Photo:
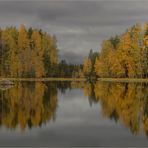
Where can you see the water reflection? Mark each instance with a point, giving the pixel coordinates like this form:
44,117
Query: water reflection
124,102
31,104
28,105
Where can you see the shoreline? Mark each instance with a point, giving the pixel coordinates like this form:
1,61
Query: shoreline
42,79
136,80
77,79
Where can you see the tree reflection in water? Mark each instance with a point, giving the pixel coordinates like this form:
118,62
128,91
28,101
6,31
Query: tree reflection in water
126,103
30,104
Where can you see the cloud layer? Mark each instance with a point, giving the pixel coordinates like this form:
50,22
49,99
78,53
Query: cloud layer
78,25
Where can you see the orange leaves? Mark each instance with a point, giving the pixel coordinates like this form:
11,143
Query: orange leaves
37,54
24,52
123,56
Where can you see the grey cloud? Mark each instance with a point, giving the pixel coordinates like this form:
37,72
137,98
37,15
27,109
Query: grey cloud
72,57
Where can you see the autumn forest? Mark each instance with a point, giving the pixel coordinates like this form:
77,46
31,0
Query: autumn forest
33,53
122,56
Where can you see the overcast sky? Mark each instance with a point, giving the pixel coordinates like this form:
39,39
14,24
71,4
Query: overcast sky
78,25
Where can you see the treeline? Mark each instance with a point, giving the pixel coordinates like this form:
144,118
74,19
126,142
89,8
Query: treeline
122,56
31,53
66,70
34,53
26,53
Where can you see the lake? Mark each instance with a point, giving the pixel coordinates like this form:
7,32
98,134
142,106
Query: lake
74,114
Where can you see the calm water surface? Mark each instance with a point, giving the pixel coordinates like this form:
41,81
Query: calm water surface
74,114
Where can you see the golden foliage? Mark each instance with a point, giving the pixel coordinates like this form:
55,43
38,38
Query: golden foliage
124,55
27,53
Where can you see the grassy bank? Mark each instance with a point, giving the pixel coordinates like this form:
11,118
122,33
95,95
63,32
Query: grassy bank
123,80
43,79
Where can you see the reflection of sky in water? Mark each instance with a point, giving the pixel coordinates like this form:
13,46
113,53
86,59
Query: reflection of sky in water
77,124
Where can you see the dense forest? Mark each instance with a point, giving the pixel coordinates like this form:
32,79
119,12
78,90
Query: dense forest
32,53
121,56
